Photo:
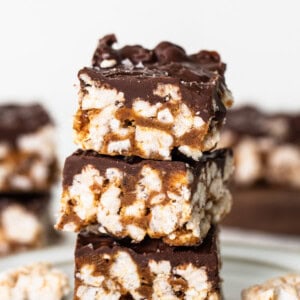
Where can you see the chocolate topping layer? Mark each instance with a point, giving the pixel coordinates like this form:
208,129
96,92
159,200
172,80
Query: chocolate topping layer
17,119
136,71
249,120
163,53
132,165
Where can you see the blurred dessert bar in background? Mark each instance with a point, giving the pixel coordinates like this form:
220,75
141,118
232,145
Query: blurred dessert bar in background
24,221
34,282
266,146
137,101
116,269
266,185
282,288
28,170
131,197
27,149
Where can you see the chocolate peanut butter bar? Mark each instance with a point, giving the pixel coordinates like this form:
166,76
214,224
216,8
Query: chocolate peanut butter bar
267,149
110,269
266,181
24,222
142,102
27,149
281,288
131,197
33,282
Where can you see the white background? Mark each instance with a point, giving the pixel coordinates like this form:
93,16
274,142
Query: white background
44,43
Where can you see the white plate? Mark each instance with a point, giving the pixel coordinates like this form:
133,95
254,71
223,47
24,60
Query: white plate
243,265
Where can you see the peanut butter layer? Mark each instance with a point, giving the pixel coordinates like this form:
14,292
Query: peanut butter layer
130,197
135,101
26,172
148,270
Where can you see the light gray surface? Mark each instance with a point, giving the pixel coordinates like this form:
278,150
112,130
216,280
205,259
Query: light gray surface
243,264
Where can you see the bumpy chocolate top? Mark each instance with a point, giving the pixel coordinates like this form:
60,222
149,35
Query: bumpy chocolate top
133,165
249,120
164,53
17,119
136,71
89,245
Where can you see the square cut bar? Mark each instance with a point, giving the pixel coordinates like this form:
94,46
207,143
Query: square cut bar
141,102
109,269
130,197
24,222
27,150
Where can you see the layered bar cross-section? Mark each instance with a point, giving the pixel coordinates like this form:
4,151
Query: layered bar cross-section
110,269
130,197
136,101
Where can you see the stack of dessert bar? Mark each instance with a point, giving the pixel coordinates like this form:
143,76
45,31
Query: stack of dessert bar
28,168
144,191
267,172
